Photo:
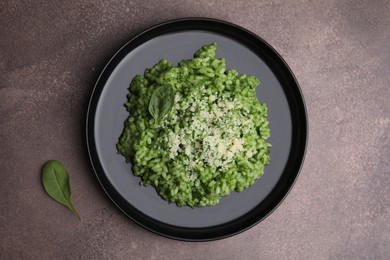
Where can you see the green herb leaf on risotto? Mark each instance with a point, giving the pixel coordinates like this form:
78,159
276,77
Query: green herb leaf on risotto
161,102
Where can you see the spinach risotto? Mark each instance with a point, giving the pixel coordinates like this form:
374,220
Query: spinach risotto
196,131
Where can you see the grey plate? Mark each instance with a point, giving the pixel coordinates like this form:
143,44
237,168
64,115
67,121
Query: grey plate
244,52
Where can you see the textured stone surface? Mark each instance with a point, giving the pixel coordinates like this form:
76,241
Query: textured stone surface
51,53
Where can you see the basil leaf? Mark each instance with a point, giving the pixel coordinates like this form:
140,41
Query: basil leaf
55,180
161,102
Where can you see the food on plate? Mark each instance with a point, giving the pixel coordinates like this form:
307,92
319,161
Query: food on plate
195,131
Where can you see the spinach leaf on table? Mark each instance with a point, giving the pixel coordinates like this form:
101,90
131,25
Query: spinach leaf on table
55,179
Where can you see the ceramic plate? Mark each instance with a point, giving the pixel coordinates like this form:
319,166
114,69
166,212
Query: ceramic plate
243,51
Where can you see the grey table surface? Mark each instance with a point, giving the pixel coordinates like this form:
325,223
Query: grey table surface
51,53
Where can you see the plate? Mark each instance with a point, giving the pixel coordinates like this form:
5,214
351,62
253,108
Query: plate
243,51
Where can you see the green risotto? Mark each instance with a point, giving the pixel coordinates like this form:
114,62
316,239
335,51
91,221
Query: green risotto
196,131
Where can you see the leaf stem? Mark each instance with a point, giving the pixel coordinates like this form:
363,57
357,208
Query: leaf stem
74,212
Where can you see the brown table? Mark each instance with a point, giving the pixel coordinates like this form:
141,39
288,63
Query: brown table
51,53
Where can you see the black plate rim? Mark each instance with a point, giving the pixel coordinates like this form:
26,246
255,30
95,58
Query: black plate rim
284,185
